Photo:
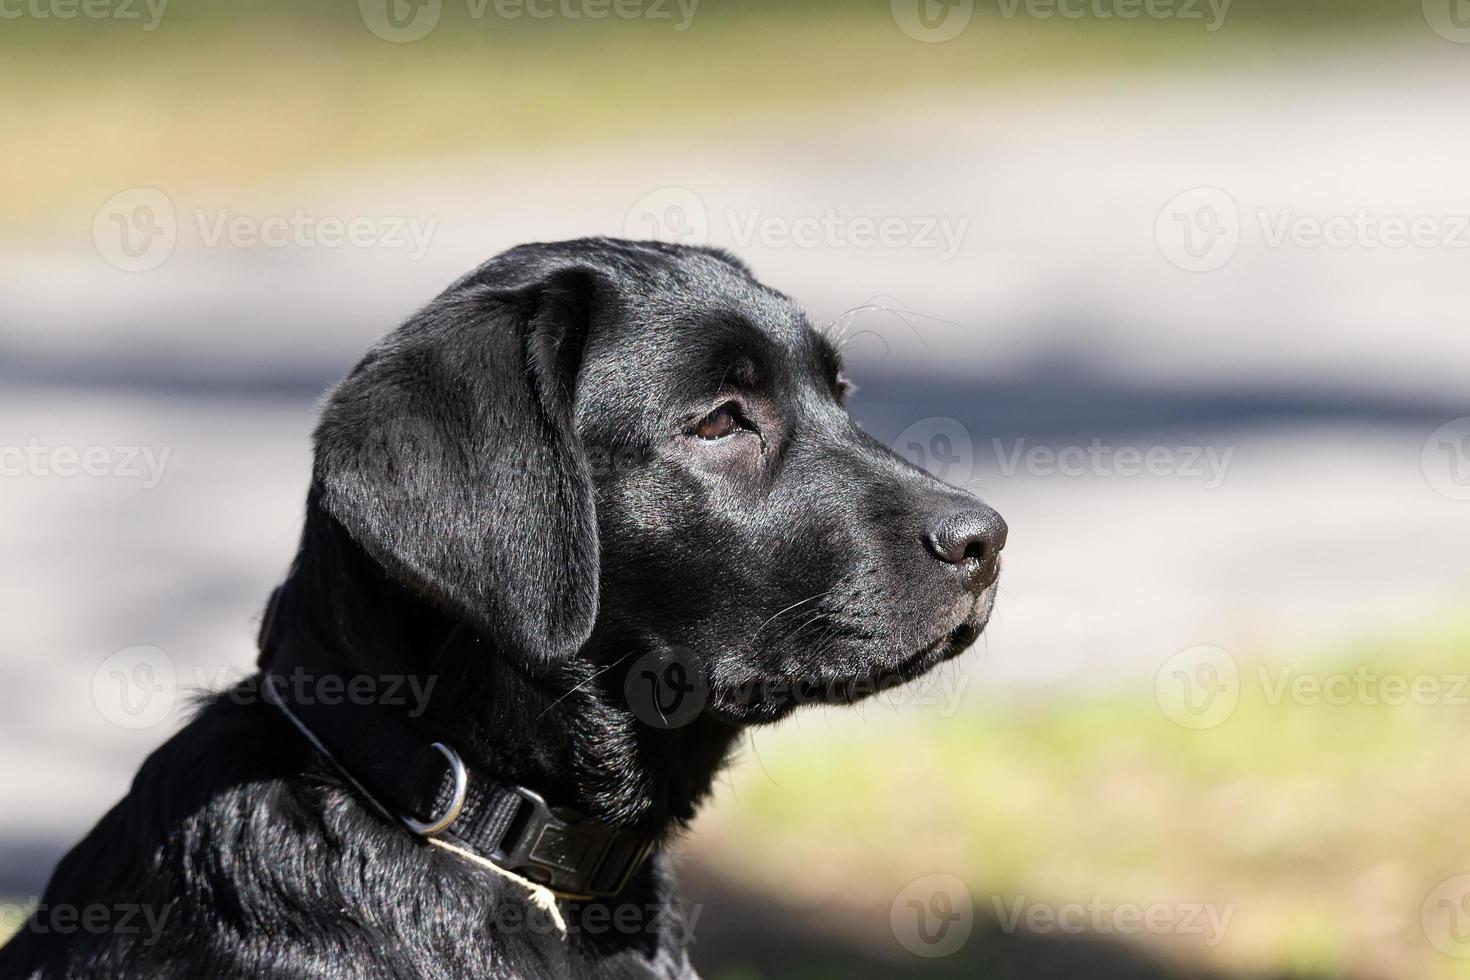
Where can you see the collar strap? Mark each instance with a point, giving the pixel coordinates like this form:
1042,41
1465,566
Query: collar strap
427,787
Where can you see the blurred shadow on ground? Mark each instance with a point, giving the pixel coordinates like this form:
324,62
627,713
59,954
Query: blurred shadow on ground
740,933
1054,399
745,934
26,865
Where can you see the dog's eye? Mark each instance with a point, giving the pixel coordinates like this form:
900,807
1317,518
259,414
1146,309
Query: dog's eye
723,421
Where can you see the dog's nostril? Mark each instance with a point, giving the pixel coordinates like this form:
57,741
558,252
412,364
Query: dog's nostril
971,537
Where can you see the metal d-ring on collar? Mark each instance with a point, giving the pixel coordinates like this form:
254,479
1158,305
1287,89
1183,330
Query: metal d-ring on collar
507,825
456,803
420,827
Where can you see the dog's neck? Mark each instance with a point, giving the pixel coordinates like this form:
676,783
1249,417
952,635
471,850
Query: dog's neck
570,735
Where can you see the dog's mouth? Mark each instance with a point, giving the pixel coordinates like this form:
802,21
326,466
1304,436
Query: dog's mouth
951,643
767,702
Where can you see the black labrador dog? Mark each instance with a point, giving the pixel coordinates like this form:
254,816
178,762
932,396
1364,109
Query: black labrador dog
570,527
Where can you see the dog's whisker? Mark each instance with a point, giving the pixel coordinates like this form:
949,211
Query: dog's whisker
583,683
783,612
755,751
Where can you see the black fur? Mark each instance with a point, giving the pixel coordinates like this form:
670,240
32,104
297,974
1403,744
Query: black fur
514,501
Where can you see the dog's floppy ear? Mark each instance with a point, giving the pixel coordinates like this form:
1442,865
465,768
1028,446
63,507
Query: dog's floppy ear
449,455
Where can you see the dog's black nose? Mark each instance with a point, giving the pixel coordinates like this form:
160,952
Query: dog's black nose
970,538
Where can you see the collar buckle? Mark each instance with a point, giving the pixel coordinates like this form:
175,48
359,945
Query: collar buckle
573,857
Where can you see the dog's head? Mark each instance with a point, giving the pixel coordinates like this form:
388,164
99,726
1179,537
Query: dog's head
598,449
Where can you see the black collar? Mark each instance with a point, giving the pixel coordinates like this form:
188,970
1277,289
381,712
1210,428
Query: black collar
427,787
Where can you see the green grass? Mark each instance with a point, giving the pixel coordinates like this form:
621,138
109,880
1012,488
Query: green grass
251,94
1326,826
11,918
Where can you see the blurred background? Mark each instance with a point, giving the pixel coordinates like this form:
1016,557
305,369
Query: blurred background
1180,286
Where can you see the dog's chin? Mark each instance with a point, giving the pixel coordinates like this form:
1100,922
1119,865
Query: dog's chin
841,685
